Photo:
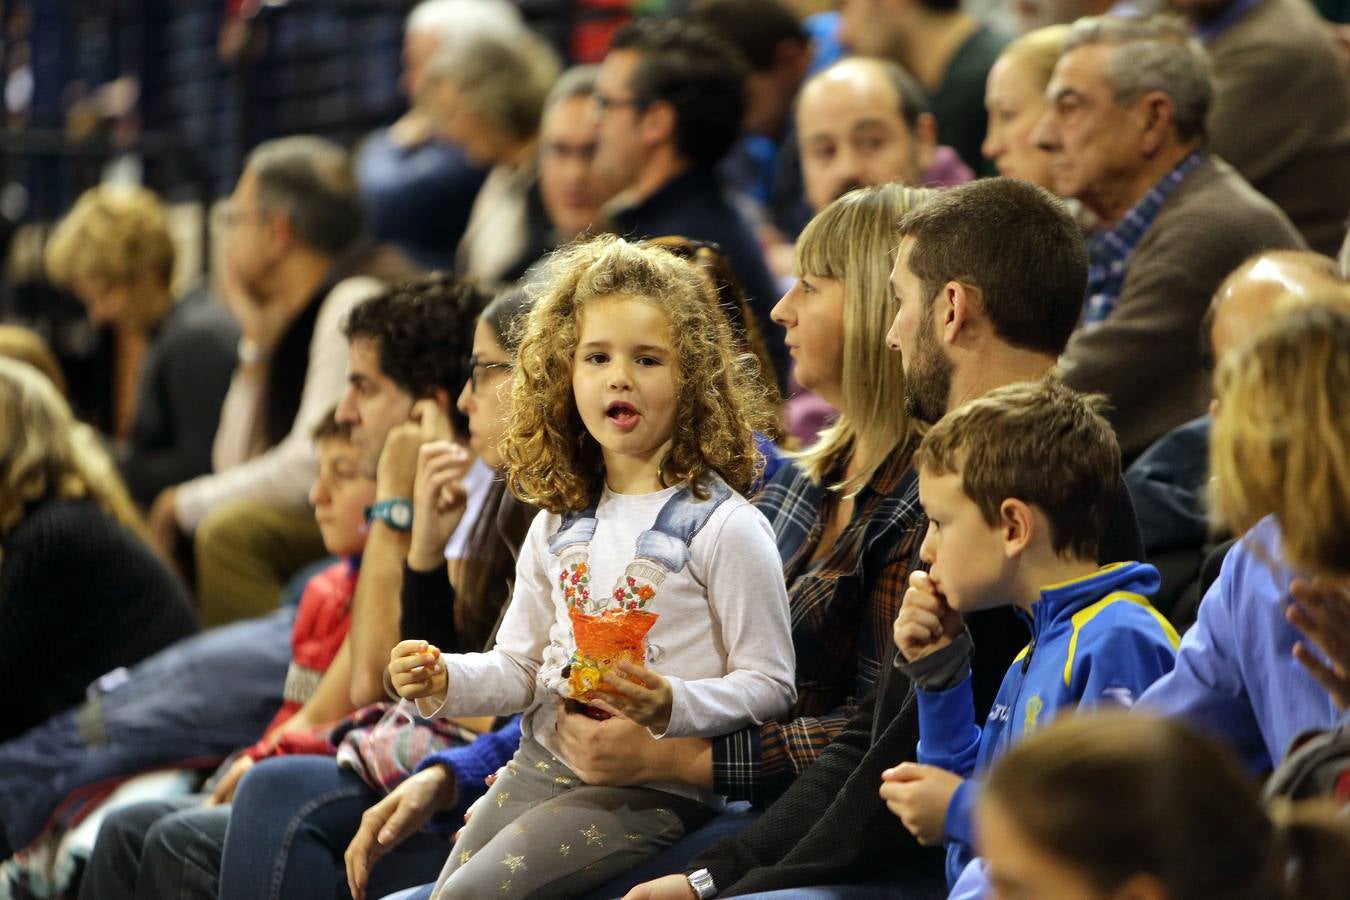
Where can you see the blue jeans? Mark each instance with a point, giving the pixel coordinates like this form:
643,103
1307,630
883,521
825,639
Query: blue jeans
293,819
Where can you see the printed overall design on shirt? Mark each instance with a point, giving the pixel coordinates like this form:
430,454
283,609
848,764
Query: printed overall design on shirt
660,551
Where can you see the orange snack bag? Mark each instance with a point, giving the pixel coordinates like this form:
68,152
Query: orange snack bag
603,641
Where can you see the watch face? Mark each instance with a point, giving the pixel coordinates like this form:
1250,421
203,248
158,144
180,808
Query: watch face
401,515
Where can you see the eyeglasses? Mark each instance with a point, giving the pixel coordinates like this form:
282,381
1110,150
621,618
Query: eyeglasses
476,367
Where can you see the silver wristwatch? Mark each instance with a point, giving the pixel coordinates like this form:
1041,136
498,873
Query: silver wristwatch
701,881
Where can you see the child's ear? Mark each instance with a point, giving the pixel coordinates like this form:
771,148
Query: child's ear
1018,524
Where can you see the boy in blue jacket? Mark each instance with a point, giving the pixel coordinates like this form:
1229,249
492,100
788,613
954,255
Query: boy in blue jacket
1016,486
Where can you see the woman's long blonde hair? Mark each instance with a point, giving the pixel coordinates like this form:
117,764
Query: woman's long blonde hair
552,460
45,454
854,241
1281,439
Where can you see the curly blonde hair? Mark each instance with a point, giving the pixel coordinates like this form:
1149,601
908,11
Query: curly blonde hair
1281,439
552,460
115,235
45,454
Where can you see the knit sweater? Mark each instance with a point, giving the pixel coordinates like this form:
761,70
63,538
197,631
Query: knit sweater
80,595
1145,356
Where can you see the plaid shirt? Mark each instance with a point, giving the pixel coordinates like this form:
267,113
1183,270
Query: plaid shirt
1109,251
843,608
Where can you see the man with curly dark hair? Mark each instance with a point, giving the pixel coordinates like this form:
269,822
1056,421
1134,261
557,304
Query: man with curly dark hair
407,359
409,343
670,100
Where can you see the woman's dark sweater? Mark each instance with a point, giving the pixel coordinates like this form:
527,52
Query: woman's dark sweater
80,595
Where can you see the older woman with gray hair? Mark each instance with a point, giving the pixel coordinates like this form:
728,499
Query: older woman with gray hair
487,95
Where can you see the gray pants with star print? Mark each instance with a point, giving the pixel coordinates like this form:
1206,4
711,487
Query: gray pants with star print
541,832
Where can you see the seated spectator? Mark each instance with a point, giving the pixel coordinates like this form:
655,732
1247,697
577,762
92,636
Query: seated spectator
135,853
1017,250
1278,459
487,95
78,572
172,359
1125,131
1015,99
670,98
1000,531
27,346
1169,481
417,188
667,462
864,122
1281,112
295,816
947,50
294,264
1127,806
570,186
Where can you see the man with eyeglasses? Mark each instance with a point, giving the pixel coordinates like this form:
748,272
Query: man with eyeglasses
670,100
296,259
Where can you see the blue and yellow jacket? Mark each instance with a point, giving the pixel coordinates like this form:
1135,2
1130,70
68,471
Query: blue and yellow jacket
1094,641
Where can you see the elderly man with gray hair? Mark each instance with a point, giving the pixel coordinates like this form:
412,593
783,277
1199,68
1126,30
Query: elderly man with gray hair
1125,130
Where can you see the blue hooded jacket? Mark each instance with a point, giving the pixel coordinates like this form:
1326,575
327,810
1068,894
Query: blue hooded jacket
1094,641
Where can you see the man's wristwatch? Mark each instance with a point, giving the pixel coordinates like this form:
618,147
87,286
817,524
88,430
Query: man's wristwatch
701,881
396,512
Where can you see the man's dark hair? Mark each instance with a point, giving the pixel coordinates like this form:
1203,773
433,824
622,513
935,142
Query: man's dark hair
697,73
754,27
423,334
941,5
310,180
1017,244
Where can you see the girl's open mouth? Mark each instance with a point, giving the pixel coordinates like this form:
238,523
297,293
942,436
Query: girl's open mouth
624,415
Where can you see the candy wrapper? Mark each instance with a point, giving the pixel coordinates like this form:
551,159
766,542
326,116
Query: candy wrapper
603,641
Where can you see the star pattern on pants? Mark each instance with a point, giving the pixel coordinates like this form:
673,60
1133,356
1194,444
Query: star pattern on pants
506,886
564,849
514,862
502,798
541,766
633,836
464,856
594,836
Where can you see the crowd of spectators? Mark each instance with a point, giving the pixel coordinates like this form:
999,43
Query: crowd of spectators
971,380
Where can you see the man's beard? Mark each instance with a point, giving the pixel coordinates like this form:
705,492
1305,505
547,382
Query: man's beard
928,381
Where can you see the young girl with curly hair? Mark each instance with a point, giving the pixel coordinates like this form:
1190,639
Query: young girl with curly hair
632,428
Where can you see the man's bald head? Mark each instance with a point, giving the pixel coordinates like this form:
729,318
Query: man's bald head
862,122
1249,295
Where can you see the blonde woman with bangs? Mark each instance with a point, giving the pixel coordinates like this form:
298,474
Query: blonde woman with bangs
80,591
632,427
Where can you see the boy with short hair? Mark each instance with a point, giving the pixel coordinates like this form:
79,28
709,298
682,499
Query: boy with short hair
1016,486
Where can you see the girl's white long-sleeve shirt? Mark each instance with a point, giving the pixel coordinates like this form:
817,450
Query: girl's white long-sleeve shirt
723,639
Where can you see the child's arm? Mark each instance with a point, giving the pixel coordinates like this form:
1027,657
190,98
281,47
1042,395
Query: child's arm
932,639
747,599
502,680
